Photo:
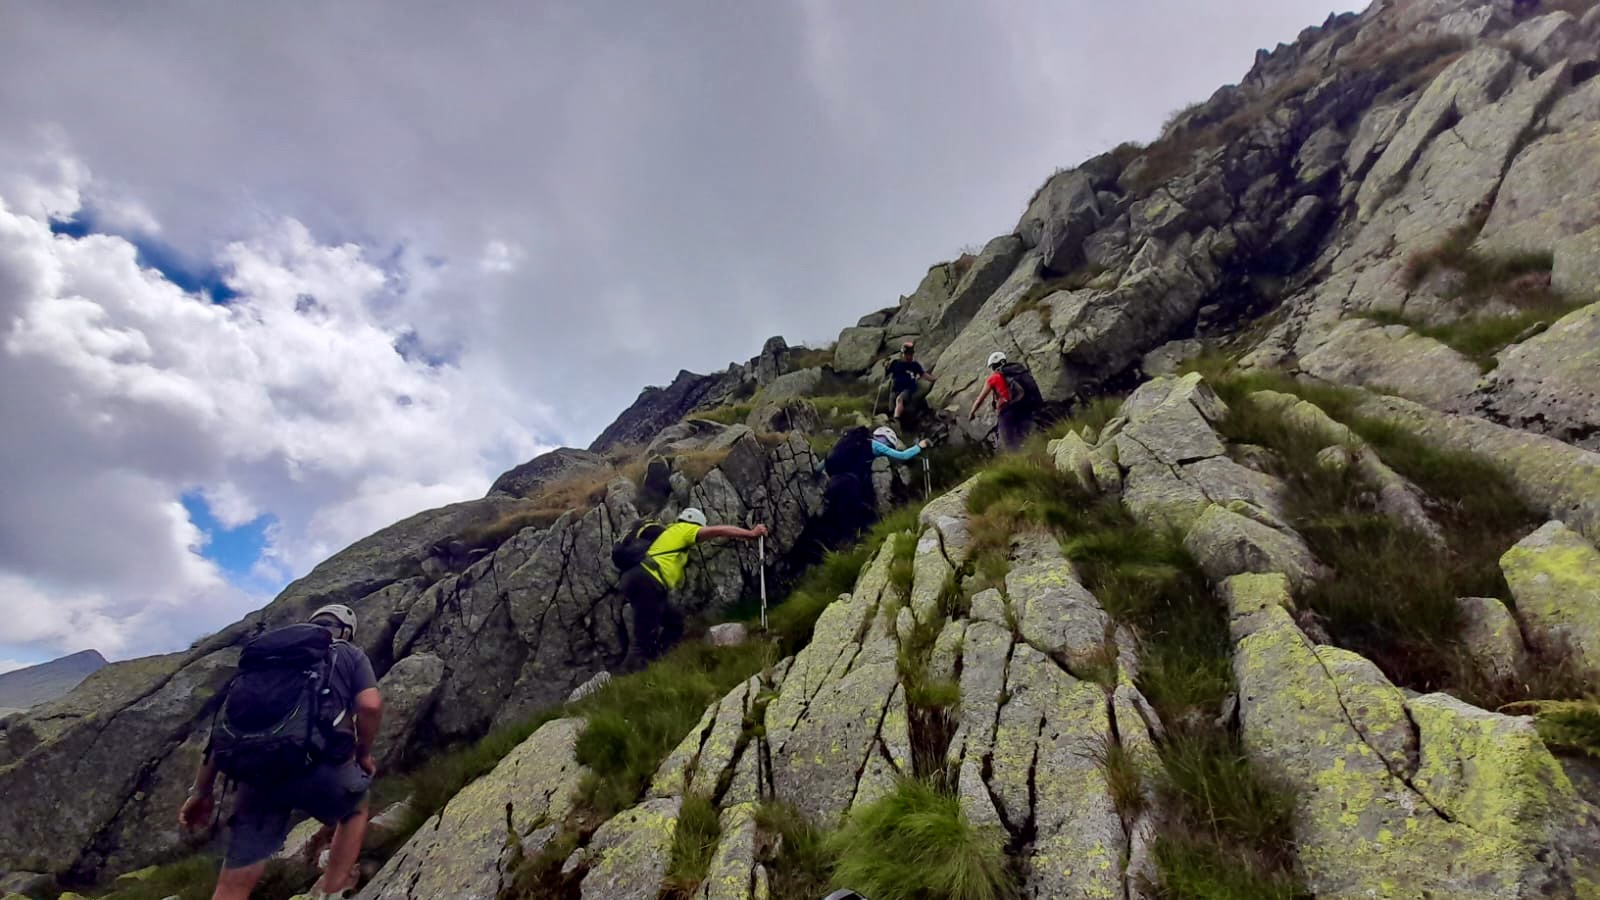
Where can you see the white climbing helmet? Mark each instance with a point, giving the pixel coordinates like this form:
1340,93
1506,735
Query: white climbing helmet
997,359
693,516
344,615
886,435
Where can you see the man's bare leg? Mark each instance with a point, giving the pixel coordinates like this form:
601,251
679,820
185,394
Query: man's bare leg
343,851
236,884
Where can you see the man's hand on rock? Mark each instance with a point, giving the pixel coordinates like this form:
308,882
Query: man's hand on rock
367,764
195,813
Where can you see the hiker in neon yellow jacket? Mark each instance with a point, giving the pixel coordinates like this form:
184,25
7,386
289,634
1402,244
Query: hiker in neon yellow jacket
656,624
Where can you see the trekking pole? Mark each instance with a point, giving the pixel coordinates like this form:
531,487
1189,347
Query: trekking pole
761,551
876,401
927,480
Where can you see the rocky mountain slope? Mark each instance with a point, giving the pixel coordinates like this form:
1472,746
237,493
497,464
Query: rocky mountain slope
1399,204
22,688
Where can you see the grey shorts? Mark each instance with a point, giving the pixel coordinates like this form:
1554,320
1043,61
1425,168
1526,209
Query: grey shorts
330,793
906,395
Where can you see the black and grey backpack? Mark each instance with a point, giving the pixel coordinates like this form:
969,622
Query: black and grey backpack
279,712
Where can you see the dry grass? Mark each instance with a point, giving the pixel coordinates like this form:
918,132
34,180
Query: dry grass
803,357
697,464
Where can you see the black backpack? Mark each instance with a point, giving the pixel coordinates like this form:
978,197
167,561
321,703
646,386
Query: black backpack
1020,385
633,547
852,455
278,712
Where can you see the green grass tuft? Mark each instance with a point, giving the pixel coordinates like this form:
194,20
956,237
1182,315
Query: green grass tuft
798,858
1570,726
905,552
1199,869
732,414
916,843
694,843
1123,776
636,720
1394,597
194,877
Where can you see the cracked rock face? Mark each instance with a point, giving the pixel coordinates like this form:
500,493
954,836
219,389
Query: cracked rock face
1474,815
512,633
462,851
1554,574
628,857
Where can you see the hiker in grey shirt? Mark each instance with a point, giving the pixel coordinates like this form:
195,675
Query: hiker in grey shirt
332,788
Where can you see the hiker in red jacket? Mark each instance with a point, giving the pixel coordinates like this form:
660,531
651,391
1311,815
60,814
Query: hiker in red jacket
1016,399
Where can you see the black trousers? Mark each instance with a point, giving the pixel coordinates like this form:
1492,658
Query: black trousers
849,508
1016,423
656,624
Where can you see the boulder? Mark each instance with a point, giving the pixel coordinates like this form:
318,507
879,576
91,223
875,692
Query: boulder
1492,638
833,703
1546,39
1075,458
784,417
628,856
112,777
686,437
1576,271
924,306
1167,358
858,348
1065,211
1578,108
526,479
1549,382
1560,480
594,684
1554,574
1472,81
732,872
773,361
469,848
409,689
1394,359
1079,841
728,634
1320,156
792,386
1055,612
1480,816
1225,542
983,277
1552,191
879,319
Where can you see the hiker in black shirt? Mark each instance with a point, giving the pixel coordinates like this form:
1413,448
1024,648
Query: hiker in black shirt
904,372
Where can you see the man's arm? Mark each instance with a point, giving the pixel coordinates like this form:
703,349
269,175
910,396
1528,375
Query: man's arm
906,455
982,396
718,532
928,377
369,715
197,808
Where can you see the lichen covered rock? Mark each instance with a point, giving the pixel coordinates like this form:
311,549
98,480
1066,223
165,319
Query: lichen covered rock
628,856
466,850
1555,576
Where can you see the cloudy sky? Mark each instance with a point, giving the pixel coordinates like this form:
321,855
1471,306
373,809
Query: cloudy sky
273,275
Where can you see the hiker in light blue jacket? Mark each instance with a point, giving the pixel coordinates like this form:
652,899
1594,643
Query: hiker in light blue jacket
886,443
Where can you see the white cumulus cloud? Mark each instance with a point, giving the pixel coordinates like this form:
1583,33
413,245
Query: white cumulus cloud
293,400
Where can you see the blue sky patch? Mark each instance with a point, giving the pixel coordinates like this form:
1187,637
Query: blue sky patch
153,254
236,550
